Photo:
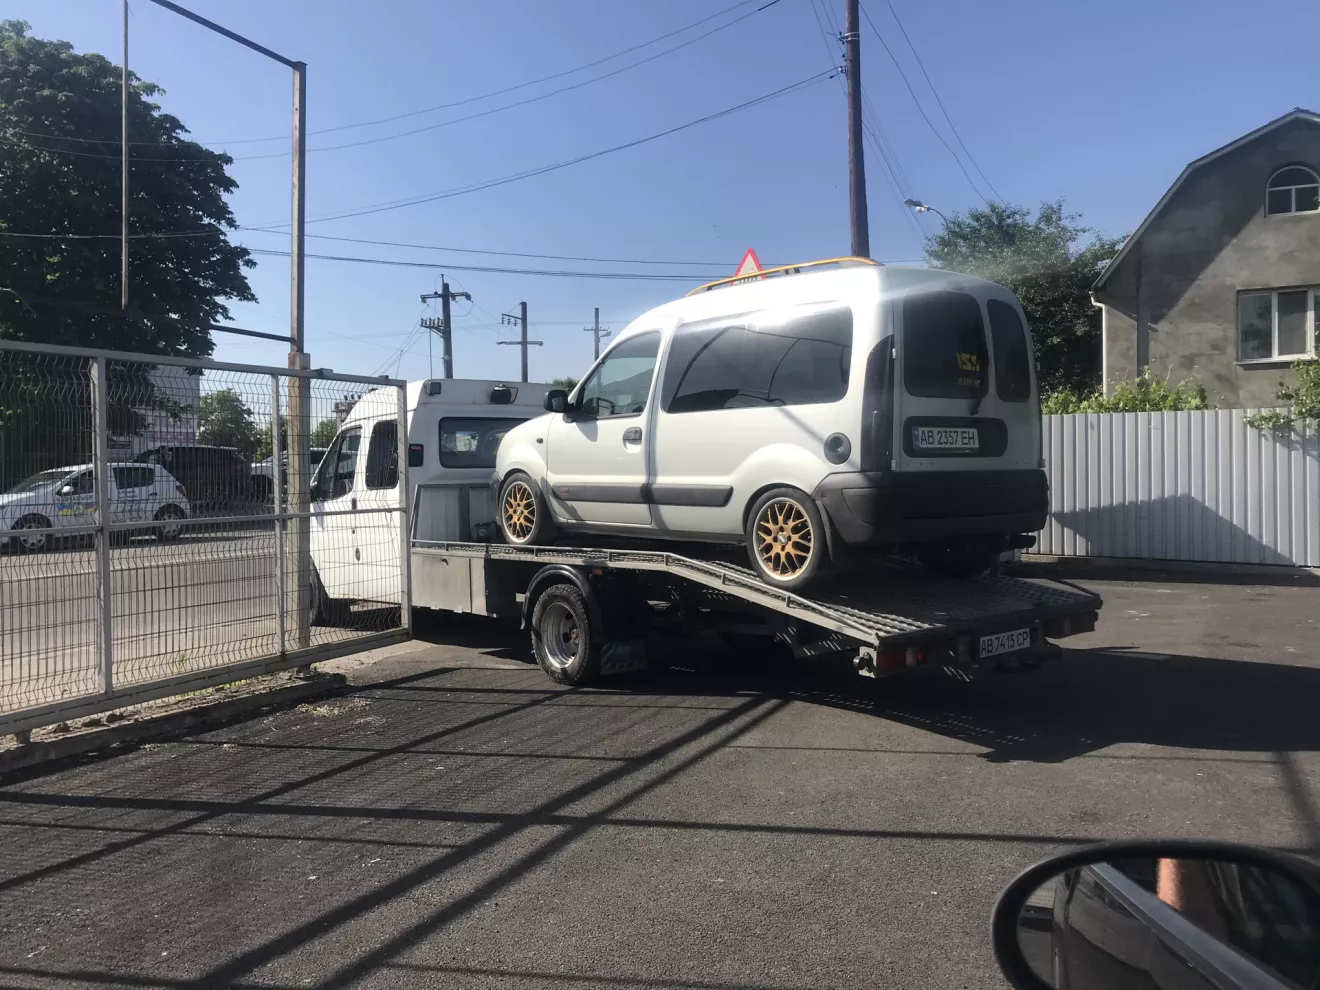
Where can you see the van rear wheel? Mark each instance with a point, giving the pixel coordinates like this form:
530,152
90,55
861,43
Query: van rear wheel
524,516
786,539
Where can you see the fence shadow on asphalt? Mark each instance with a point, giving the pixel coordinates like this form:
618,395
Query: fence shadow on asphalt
1084,702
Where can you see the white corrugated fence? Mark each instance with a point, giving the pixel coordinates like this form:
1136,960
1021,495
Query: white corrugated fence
1200,486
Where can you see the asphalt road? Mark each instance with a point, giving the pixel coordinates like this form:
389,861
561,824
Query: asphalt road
460,821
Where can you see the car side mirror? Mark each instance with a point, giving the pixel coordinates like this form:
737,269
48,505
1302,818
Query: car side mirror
556,400
1082,912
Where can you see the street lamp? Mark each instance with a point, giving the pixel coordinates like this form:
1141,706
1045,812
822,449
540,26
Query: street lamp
919,207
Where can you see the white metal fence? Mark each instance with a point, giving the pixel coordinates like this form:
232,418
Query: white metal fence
1195,486
139,559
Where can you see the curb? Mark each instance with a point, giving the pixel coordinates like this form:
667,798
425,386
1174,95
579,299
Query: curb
1142,569
166,724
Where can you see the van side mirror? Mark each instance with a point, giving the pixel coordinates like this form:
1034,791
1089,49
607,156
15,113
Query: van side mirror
66,490
556,400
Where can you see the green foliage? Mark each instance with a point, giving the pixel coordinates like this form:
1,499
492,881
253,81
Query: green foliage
67,291
324,432
565,382
1141,394
224,420
1303,400
1047,265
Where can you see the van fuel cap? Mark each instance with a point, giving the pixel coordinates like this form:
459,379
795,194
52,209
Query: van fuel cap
837,448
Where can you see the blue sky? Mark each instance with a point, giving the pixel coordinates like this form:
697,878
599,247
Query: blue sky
1101,105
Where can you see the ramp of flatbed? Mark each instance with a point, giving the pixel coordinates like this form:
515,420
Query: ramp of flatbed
885,605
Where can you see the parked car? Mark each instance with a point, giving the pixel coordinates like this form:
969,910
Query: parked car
834,404
215,477
263,472
65,497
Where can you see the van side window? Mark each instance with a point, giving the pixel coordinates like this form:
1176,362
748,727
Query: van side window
335,476
1012,366
763,360
944,353
383,455
472,442
133,477
621,383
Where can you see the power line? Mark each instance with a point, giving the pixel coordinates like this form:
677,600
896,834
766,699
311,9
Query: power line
464,190
437,266
483,96
506,254
529,173
529,100
936,93
920,109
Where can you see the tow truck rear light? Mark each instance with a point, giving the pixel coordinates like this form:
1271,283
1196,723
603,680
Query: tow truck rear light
890,660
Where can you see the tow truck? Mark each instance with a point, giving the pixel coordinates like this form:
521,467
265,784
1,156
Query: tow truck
596,611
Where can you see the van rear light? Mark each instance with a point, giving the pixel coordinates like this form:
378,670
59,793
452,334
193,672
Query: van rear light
180,489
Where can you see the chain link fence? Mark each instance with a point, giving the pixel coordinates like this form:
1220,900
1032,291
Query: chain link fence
169,524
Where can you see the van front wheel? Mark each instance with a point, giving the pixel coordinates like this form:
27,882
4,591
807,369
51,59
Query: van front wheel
524,516
786,539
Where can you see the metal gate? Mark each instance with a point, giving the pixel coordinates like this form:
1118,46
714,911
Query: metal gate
170,524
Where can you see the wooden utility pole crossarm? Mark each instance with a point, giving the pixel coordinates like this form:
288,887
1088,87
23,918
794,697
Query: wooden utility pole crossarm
522,341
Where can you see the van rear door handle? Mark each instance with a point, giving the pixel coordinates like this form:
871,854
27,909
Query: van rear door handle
632,434
352,503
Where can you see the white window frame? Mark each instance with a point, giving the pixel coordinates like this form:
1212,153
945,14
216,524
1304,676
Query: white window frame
1275,356
1292,192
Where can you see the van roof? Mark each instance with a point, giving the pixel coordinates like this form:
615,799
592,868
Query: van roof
450,391
805,282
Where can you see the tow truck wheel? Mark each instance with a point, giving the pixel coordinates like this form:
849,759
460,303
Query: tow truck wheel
524,516
562,636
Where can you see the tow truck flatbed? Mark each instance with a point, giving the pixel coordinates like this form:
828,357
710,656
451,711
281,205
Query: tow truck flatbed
893,615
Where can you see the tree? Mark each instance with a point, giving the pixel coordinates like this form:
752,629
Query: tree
565,382
60,175
324,432
224,420
1047,265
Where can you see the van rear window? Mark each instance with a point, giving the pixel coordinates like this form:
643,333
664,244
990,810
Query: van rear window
1012,366
944,353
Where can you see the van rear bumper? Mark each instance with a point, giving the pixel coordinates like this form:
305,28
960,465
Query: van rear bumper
916,507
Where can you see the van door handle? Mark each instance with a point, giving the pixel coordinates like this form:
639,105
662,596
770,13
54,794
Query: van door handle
632,434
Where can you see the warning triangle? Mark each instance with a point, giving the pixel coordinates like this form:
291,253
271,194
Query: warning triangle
749,265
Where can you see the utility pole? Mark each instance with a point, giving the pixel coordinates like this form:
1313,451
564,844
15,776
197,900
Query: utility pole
599,333
123,167
861,234
443,326
508,319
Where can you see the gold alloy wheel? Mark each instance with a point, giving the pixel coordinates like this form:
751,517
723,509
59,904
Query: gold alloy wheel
519,511
783,538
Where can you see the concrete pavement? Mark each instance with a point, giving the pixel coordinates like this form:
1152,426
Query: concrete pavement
460,821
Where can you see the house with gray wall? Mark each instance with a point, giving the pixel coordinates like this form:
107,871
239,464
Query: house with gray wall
1221,281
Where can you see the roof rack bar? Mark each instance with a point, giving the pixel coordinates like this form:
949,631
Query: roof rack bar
782,270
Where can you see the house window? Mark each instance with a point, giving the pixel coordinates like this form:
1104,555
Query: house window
1277,325
1294,189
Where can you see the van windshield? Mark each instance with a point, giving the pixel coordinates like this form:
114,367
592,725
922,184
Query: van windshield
944,352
